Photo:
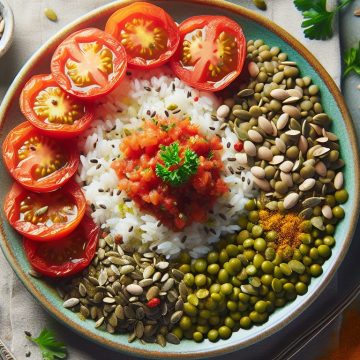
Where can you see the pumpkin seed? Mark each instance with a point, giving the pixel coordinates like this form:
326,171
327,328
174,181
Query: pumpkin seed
70,303
50,14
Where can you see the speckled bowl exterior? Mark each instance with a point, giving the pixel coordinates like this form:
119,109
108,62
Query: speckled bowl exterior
255,26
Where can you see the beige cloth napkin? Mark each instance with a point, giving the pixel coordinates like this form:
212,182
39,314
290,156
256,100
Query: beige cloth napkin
18,310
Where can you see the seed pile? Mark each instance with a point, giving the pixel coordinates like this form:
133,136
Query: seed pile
288,147
2,26
128,291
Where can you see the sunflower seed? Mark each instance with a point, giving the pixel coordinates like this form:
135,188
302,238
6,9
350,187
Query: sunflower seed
160,339
291,200
318,222
168,285
139,329
172,339
176,316
148,272
279,94
249,148
339,180
307,185
145,282
327,212
162,265
70,303
41,211
177,274
127,269
282,121
254,136
99,322
134,289
153,292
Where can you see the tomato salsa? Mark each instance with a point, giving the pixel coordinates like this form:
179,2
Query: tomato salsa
171,171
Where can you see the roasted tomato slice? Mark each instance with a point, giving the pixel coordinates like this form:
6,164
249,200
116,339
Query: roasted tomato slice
66,256
148,33
48,107
37,162
212,52
89,63
45,217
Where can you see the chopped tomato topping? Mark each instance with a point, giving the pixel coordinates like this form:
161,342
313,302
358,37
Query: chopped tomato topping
175,206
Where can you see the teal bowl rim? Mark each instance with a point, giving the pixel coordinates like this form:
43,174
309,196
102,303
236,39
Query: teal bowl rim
14,91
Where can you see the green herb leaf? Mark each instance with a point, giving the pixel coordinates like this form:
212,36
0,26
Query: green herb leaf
352,61
50,348
185,167
318,20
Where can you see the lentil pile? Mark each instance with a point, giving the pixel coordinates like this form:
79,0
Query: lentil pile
286,235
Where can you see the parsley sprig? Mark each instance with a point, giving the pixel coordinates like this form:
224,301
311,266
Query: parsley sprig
317,19
50,348
352,60
182,170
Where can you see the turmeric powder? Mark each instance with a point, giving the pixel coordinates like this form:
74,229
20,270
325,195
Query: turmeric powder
286,226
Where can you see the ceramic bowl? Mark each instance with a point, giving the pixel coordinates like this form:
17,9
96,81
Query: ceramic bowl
255,26
8,34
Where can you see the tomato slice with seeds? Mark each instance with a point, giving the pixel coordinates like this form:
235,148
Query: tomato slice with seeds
37,162
212,52
48,107
67,256
148,33
45,217
89,63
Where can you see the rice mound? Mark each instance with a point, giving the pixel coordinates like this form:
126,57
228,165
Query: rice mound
140,96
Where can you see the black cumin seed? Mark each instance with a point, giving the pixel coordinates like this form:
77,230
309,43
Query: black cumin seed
229,206
92,207
211,128
94,161
231,159
158,224
222,216
189,94
184,239
33,148
238,172
176,111
231,170
102,206
98,166
113,146
101,190
153,114
118,192
173,86
118,110
131,228
166,113
148,112
228,145
28,333
113,128
213,231
127,200
95,144
128,73
158,89
147,88
112,193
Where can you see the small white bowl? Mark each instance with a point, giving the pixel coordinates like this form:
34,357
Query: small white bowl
8,34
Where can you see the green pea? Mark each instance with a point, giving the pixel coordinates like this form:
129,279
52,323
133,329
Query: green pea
235,316
277,272
200,265
286,269
330,229
244,297
255,317
307,260
301,288
258,260
235,281
185,322
249,254
253,216
296,266
235,264
190,309
203,328
213,269
178,332
329,241
314,253
304,249
270,254
226,289
267,267
261,306
260,244
216,297
289,287
251,270
276,285
224,332
235,294
250,205
271,235
249,226
193,299
214,320
223,276
278,259
279,302
205,314
212,257
200,280
324,251
256,231
316,270
245,322
210,304
223,256
184,258
185,268
214,288
318,242
198,336
248,243
266,279
315,233
232,250
341,196
338,212
297,254
229,322
242,306
189,279
231,306
305,278
230,238
305,238
213,335
243,221
242,236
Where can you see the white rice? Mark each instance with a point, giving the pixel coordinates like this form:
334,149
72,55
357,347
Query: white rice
125,108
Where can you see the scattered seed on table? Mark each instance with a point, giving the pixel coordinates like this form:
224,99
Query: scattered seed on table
50,14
